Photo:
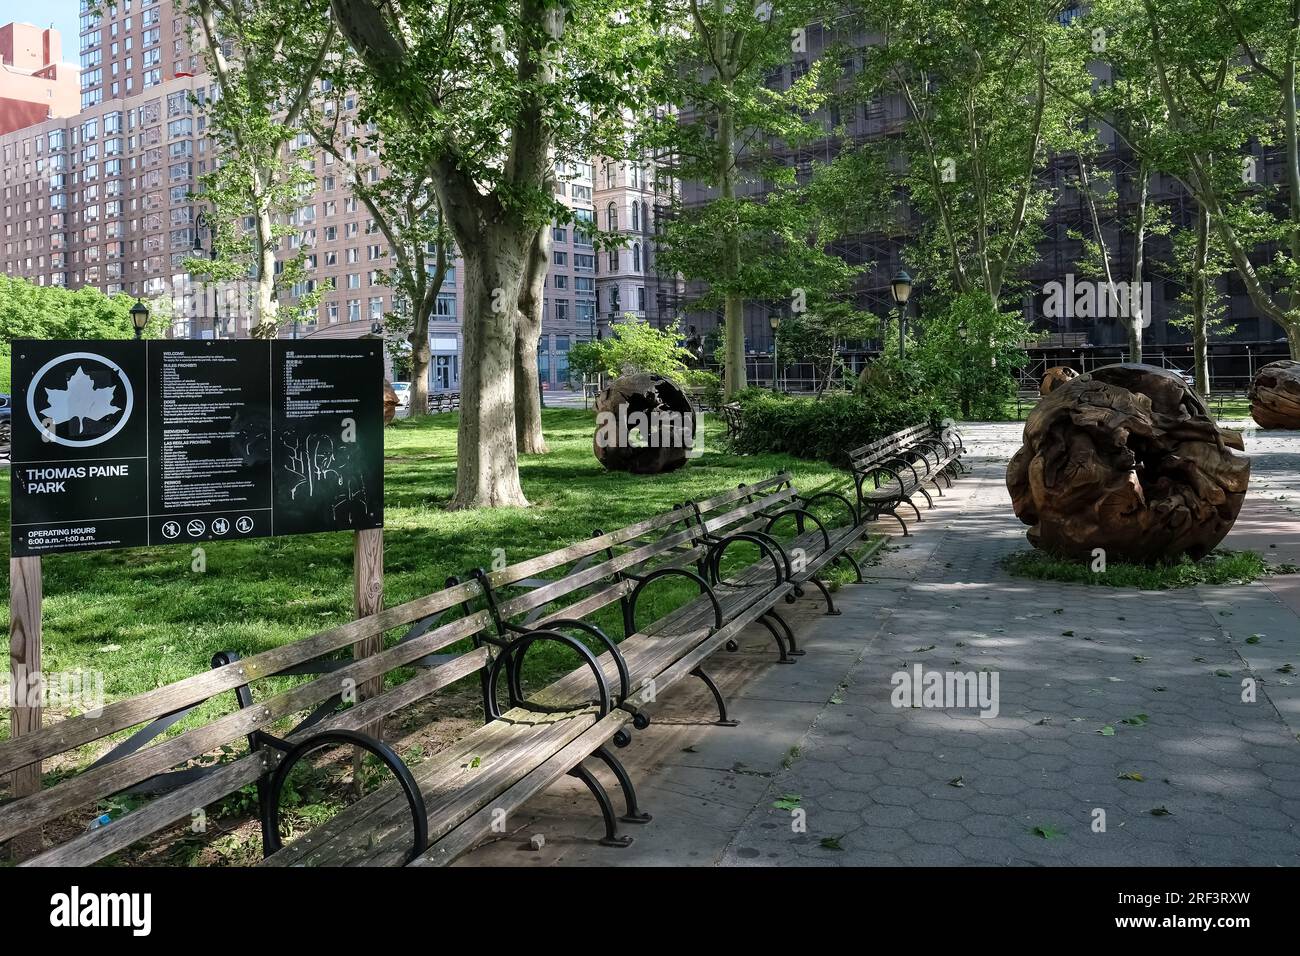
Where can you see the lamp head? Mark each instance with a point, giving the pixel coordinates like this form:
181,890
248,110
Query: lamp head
900,287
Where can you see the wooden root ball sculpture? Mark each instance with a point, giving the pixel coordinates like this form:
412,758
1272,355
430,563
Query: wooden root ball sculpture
1275,395
1055,376
390,402
1126,458
644,425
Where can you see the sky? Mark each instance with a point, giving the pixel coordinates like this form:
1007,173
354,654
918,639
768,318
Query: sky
62,13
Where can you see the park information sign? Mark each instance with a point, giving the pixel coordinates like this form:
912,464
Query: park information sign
121,444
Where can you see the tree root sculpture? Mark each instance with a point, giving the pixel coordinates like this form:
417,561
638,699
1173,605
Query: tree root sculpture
1054,377
1275,395
1127,459
644,424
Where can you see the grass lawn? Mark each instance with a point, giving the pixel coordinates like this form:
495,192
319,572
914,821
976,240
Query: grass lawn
145,619
1220,566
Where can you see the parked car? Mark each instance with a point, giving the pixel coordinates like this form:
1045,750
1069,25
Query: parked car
403,390
6,419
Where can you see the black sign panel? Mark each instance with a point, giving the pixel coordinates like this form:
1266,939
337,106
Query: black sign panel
122,444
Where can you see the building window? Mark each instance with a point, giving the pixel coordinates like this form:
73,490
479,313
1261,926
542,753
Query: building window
636,255
611,217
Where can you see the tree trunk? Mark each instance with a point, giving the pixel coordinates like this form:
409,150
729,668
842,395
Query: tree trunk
423,293
1137,318
267,324
421,356
734,305
1200,303
487,464
528,386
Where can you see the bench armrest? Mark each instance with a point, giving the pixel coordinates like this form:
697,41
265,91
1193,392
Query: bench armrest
705,588
765,544
331,738
853,514
874,472
624,677
802,513
511,659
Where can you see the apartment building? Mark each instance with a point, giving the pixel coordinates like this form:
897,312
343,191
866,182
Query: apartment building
106,198
102,198
35,83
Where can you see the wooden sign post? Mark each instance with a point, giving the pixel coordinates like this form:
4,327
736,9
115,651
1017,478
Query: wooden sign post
25,588
368,598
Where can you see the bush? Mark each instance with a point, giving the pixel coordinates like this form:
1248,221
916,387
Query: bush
827,429
709,385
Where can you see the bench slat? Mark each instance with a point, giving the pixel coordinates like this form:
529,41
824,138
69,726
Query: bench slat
77,731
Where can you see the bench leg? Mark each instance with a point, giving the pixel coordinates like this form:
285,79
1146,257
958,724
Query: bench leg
826,595
611,837
911,504
790,642
894,512
928,499
857,568
634,813
781,646
723,720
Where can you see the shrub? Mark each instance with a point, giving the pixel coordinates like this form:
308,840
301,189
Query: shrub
709,384
634,346
827,429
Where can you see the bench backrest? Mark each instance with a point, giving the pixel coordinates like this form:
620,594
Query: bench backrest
892,444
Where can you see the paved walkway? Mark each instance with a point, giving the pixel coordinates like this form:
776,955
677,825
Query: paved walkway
1116,708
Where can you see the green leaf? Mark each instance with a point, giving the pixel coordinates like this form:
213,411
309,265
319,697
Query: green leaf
1137,720
1107,731
790,801
1047,831
1131,775
830,843
1162,812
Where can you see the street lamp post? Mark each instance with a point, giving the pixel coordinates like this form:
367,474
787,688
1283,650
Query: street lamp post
776,341
201,223
139,318
900,287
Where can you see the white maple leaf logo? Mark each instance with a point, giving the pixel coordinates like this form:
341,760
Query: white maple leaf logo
80,400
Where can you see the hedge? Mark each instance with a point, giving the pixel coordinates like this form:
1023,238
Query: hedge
825,429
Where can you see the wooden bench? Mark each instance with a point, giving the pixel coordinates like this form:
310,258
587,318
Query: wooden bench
483,626
734,418
900,465
443,402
